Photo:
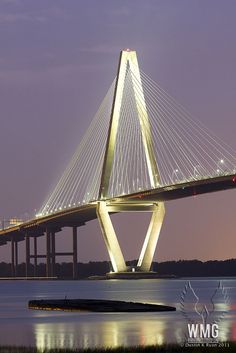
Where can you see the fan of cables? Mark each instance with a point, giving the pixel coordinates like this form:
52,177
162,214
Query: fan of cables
184,149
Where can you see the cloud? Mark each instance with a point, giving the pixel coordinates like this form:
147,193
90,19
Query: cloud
100,49
10,1
52,74
12,18
26,15
119,11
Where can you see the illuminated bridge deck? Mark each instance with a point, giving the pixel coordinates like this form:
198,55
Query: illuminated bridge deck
78,216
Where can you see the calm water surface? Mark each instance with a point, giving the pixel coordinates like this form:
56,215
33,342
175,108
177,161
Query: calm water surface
21,326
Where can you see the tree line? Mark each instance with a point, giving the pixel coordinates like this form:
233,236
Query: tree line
180,268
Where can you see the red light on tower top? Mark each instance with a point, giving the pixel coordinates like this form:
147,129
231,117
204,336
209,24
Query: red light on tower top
128,49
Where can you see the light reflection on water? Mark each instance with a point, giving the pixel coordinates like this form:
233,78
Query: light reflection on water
64,329
108,331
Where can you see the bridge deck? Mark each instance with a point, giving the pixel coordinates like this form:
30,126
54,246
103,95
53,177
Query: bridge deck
78,216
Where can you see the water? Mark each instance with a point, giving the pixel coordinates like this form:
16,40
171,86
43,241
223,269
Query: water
49,329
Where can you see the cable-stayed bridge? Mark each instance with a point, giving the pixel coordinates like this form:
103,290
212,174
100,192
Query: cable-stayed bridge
141,149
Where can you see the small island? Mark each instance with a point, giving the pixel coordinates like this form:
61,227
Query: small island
96,305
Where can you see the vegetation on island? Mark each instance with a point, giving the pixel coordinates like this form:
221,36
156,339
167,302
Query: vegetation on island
167,348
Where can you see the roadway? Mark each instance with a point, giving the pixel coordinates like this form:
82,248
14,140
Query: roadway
139,201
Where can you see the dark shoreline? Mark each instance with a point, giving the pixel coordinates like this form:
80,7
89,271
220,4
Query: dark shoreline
175,269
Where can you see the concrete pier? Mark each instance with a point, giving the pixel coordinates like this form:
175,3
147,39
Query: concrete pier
75,253
27,254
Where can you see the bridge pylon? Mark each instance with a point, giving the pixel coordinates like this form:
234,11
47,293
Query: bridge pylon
128,61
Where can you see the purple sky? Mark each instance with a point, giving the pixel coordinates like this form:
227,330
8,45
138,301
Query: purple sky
57,59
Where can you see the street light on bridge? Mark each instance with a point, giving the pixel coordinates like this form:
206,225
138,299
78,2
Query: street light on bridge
175,173
219,165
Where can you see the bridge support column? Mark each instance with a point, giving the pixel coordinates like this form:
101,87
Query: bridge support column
150,242
35,256
16,258
75,254
27,254
53,256
111,241
12,257
48,253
